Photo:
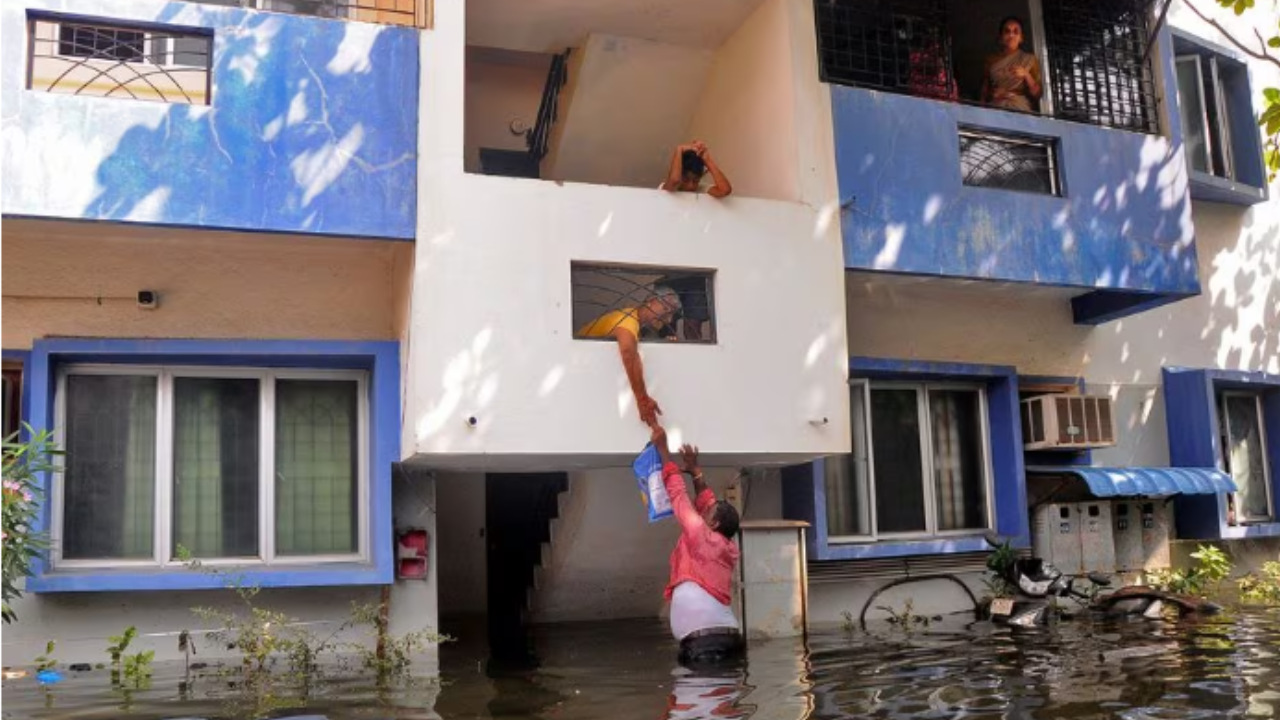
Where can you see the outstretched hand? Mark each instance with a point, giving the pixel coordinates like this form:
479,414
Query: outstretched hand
689,454
649,410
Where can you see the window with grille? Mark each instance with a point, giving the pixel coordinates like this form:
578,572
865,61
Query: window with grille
895,45
1008,162
653,303
119,61
1099,69
245,464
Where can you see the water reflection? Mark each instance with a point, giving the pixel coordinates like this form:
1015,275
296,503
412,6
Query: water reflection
1223,667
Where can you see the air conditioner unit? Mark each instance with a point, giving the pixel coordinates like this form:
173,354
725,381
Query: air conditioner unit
1067,422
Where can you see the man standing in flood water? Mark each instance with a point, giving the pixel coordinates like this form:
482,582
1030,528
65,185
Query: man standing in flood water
702,563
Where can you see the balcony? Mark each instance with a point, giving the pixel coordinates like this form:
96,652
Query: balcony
202,116
1082,193
500,382
513,262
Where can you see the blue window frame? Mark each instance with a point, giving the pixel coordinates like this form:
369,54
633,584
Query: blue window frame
1229,420
1220,137
924,389
261,393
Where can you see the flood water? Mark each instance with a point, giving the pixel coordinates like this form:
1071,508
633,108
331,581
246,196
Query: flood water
1222,667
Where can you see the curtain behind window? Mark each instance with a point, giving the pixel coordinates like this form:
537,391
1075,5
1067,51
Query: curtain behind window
109,477
895,432
316,467
847,486
956,420
1244,453
215,466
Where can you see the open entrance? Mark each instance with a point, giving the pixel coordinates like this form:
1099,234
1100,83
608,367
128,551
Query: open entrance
519,508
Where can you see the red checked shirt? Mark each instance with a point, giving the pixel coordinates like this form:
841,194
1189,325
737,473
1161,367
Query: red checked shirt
702,554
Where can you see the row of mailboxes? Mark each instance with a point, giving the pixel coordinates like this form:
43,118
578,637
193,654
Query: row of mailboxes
1104,536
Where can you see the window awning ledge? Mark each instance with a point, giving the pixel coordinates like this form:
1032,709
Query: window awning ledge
1129,482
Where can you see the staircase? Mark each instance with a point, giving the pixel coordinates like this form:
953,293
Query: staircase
519,510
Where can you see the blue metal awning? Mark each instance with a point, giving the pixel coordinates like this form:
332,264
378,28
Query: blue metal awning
1126,482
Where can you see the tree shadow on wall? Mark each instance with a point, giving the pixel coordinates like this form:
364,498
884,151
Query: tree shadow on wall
312,128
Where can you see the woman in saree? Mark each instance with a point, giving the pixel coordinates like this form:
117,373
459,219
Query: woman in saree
1011,78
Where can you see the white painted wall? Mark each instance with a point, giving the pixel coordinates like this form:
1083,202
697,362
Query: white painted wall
746,110
627,105
491,330
606,560
1234,324
502,88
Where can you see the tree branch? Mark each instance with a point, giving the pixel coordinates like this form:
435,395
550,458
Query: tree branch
1264,55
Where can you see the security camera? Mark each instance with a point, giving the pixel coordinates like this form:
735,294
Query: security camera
472,421
148,299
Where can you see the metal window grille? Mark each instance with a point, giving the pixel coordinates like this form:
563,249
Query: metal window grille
110,60
894,45
1009,162
1098,65
605,297
100,43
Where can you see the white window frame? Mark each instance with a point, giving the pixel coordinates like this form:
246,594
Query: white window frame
162,535
1225,432
926,461
1036,13
1217,135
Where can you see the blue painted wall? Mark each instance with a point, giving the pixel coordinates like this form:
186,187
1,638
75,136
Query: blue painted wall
312,128
380,358
1123,224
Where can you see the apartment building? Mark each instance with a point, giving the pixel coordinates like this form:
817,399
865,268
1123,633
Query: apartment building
301,284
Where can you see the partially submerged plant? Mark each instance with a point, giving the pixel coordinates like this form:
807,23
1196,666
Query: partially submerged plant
1262,587
907,618
1211,568
45,661
24,462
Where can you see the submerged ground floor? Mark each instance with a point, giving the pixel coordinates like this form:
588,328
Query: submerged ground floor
1221,668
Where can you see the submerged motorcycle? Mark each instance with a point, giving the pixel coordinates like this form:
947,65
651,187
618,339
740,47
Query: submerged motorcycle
1039,585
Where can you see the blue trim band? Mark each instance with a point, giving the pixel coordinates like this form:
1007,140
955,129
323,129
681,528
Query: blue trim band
380,358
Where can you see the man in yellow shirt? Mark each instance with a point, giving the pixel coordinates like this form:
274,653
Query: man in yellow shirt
624,325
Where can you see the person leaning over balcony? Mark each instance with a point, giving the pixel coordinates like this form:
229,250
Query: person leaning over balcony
702,563
689,163
624,326
1011,77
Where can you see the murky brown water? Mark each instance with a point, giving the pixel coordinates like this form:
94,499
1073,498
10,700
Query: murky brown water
1222,667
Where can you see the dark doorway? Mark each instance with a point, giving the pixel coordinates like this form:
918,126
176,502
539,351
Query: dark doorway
519,508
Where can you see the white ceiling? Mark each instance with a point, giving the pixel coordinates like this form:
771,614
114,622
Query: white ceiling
553,25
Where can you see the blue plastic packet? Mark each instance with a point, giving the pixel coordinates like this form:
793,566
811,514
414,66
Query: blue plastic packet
648,470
